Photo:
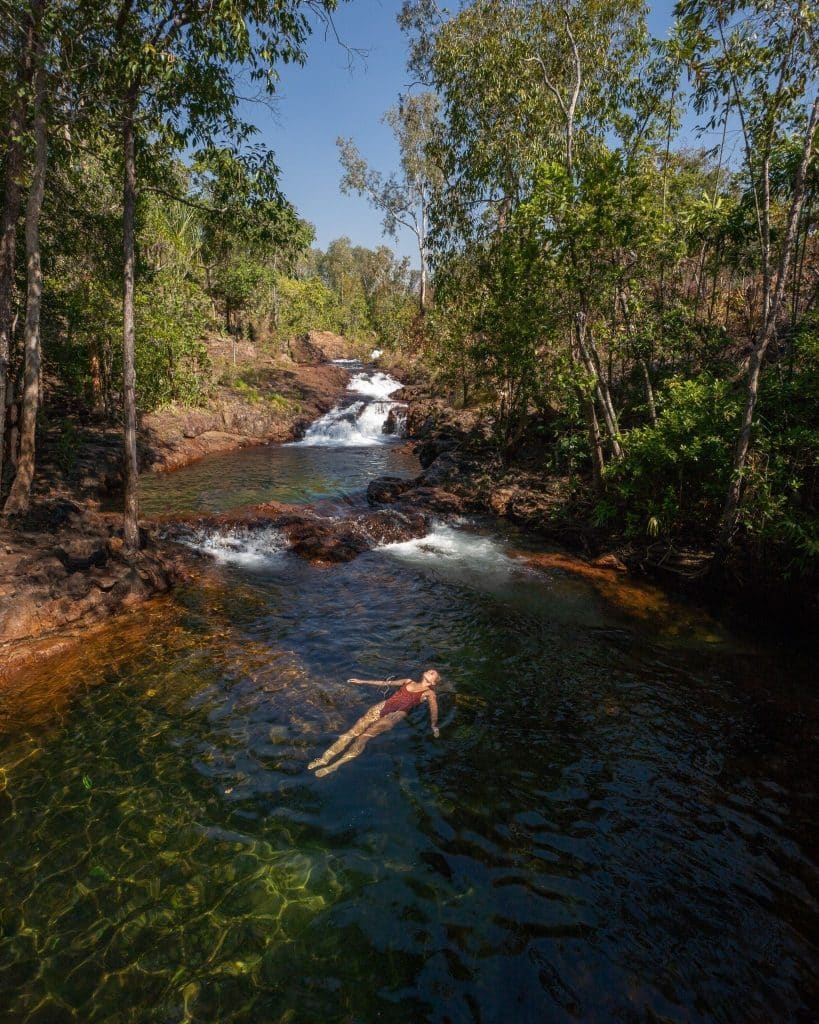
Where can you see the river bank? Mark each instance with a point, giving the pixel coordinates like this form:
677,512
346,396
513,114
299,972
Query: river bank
63,570
63,567
457,455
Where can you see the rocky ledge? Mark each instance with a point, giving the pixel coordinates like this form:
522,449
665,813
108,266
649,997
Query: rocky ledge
321,535
64,568
277,407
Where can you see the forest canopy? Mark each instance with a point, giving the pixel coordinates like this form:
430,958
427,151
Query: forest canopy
624,249
140,213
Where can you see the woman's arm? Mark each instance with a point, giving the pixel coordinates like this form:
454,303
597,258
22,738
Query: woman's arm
378,682
432,700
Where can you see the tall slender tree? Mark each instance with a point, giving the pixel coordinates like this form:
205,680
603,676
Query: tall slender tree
21,31
765,60
171,77
403,200
19,496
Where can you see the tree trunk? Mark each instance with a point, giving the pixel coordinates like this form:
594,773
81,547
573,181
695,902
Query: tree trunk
595,441
423,300
97,401
587,405
129,192
20,495
765,333
591,362
421,236
604,397
652,406
8,222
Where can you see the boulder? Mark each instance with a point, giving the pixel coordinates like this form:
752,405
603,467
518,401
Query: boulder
387,489
441,471
303,350
396,421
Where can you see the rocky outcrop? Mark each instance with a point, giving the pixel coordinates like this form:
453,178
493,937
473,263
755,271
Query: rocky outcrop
276,407
332,346
63,568
384,490
320,536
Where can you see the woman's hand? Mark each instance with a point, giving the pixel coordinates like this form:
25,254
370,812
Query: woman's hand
436,732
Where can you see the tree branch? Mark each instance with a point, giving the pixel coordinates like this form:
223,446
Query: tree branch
192,203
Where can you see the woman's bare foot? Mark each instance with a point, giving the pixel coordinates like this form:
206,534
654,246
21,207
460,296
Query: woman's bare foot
321,772
316,764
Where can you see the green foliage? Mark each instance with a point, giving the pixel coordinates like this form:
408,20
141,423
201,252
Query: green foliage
586,264
780,503
672,480
172,362
247,391
365,294
674,474
306,306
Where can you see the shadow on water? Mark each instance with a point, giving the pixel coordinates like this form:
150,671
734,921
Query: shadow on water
617,822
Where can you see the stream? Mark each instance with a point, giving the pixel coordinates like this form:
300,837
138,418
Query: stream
617,823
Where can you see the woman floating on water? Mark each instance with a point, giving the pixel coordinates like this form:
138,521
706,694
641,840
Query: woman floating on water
382,717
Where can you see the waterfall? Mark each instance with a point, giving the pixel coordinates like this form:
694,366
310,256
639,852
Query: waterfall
358,423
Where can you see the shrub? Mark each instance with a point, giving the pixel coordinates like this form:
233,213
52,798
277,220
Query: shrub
674,475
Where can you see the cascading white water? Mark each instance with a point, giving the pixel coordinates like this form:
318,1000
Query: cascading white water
467,559
357,424
375,385
447,545
239,545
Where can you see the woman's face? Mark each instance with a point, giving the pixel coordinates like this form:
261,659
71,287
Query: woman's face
430,677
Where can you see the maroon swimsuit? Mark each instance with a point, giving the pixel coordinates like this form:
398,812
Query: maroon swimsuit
401,700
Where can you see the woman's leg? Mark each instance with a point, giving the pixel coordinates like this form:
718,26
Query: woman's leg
366,720
377,727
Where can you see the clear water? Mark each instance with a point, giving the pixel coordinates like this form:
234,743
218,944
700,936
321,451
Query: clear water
618,821
291,473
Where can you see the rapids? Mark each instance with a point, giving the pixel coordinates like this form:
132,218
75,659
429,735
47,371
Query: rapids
618,821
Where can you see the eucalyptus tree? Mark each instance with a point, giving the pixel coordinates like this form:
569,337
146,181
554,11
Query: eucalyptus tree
403,200
18,43
55,52
530,91
759,62
170,74
19,495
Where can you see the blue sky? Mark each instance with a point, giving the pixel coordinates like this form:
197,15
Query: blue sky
337,93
